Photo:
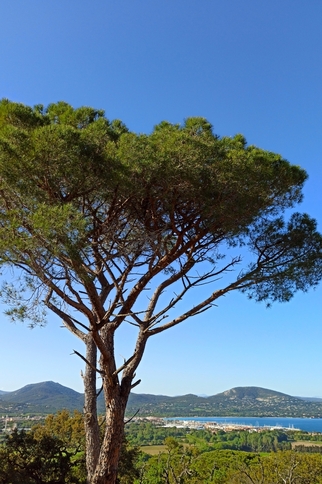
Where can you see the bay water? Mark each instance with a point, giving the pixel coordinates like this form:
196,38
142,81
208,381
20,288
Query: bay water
307,424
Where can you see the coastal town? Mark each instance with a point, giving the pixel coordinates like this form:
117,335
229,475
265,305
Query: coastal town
8,424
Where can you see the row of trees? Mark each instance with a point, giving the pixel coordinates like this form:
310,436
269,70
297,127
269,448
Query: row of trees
146,434
93,218
179,465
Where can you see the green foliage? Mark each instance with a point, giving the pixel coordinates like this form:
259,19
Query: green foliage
73,183
53,453
150,434
128,470
315,449
303,435
184,466
205,440
50,454
29,460
69,429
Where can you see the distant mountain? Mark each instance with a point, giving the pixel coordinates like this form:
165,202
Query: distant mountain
311,399
49,397
45,397
239,401
250,393
2,392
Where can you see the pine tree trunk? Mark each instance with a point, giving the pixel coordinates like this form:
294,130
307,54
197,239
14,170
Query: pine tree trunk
107,466
90,410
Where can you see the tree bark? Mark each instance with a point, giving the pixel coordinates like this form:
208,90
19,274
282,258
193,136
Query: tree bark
90,409
107,466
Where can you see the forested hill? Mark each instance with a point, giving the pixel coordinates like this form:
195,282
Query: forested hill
48,397
240,401
44,397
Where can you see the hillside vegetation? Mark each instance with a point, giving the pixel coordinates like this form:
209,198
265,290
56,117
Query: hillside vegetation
49,397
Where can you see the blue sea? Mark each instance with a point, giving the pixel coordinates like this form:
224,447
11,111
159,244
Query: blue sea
308,424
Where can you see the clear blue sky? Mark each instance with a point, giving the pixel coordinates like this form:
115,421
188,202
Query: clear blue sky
248,66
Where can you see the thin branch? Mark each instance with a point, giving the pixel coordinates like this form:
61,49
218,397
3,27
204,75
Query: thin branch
245,281
80,324
146,278
116,372
187,284
70,287
64,297
137,325
133,416
99,392
135,384
88,363
67,320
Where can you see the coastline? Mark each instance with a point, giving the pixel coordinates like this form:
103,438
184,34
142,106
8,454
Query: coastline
249,423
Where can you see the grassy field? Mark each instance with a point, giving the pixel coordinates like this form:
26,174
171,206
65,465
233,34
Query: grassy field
153,449
157,449
306,443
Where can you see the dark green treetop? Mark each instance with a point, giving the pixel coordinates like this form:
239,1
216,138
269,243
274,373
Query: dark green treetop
85,201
